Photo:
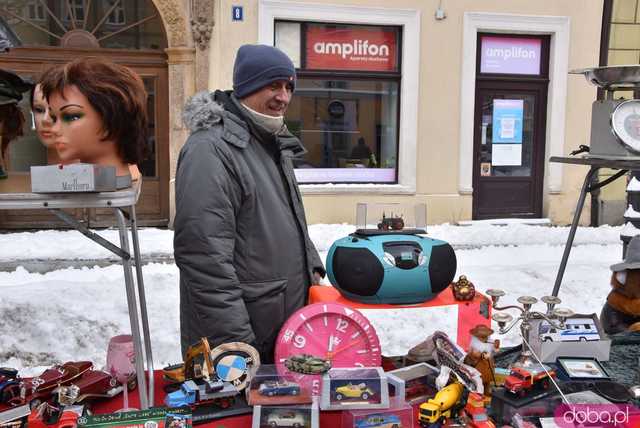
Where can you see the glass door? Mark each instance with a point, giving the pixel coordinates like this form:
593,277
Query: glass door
509,149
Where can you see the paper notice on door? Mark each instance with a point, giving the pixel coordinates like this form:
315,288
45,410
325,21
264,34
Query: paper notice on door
507,128
507,121
506,154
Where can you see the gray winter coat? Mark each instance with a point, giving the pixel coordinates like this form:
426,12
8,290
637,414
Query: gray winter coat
241,241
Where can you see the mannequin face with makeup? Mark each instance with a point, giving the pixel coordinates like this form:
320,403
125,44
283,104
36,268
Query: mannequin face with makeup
78,130
42,117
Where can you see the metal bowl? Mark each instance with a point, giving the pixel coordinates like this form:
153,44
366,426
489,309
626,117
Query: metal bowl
612,77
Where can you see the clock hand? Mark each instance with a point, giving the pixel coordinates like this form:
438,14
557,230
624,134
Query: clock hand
330,355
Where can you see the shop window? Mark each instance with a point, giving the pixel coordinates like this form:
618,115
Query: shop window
346,105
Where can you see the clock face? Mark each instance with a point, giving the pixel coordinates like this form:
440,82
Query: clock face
625,122
330,331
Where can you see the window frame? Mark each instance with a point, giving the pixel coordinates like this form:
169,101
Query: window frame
66,16
352,75
409,19
37,7
107,5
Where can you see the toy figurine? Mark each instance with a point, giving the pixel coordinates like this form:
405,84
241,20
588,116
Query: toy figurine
480,354
99,113
621,312
11,117
464,289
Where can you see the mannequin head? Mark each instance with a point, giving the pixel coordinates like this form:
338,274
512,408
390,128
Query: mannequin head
99,114
41,116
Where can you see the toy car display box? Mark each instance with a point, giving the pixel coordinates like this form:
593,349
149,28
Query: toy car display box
355,388
582,336
467,314
158,417
399,415
413,384
276,385
306,415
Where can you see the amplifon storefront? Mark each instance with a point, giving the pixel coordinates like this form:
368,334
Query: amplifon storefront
396,106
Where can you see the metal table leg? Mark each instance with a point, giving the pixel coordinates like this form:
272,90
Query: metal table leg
143,300
586,188
133,311
574,226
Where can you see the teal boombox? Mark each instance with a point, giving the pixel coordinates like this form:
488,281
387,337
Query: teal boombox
390,268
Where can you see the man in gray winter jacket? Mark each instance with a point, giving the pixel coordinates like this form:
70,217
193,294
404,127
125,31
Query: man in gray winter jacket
241,241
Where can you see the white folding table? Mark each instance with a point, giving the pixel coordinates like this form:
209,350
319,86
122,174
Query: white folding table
123,204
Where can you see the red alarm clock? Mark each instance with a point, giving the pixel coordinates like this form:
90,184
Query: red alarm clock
332,331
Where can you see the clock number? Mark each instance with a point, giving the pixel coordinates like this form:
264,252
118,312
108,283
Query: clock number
342,325
299,341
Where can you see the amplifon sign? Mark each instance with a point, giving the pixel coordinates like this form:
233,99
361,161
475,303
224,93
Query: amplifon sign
510,55
351,48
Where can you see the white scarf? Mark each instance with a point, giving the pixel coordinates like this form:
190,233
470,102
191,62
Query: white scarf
272,124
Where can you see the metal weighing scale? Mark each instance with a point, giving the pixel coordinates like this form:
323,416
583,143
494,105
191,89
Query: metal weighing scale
615,139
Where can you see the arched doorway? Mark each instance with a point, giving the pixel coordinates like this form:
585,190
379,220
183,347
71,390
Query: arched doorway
128,32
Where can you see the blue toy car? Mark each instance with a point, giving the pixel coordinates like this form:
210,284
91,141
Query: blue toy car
380,420
272,387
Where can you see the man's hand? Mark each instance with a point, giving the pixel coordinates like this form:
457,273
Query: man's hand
318,274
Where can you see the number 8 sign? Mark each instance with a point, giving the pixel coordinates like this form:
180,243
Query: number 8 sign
236,13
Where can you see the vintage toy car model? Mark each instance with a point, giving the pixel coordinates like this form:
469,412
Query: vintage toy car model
380,420
221,394
92,384
273,387
286,419
350,390
307,364
38,389
522,380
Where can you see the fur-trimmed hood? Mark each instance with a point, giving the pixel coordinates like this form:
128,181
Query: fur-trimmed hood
202,111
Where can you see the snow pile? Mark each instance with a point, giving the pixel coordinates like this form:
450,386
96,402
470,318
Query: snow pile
70,314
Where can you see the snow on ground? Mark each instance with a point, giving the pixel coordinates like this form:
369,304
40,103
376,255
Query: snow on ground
71,313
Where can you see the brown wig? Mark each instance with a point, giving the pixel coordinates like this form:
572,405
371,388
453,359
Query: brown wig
115,92
11,124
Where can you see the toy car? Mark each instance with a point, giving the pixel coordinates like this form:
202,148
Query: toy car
286,419
522,380
272,388
92,384
379,420
219,393
353,391
307,364
37,389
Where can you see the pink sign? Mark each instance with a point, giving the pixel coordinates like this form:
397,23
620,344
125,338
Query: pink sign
510,55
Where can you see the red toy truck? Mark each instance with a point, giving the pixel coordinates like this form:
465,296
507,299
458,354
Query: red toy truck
522,380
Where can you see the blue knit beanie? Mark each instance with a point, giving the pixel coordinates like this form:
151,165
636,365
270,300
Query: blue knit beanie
257,66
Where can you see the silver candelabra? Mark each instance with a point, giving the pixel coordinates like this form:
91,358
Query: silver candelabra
556,317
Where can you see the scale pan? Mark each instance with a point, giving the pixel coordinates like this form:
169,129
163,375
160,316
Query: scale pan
611,77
